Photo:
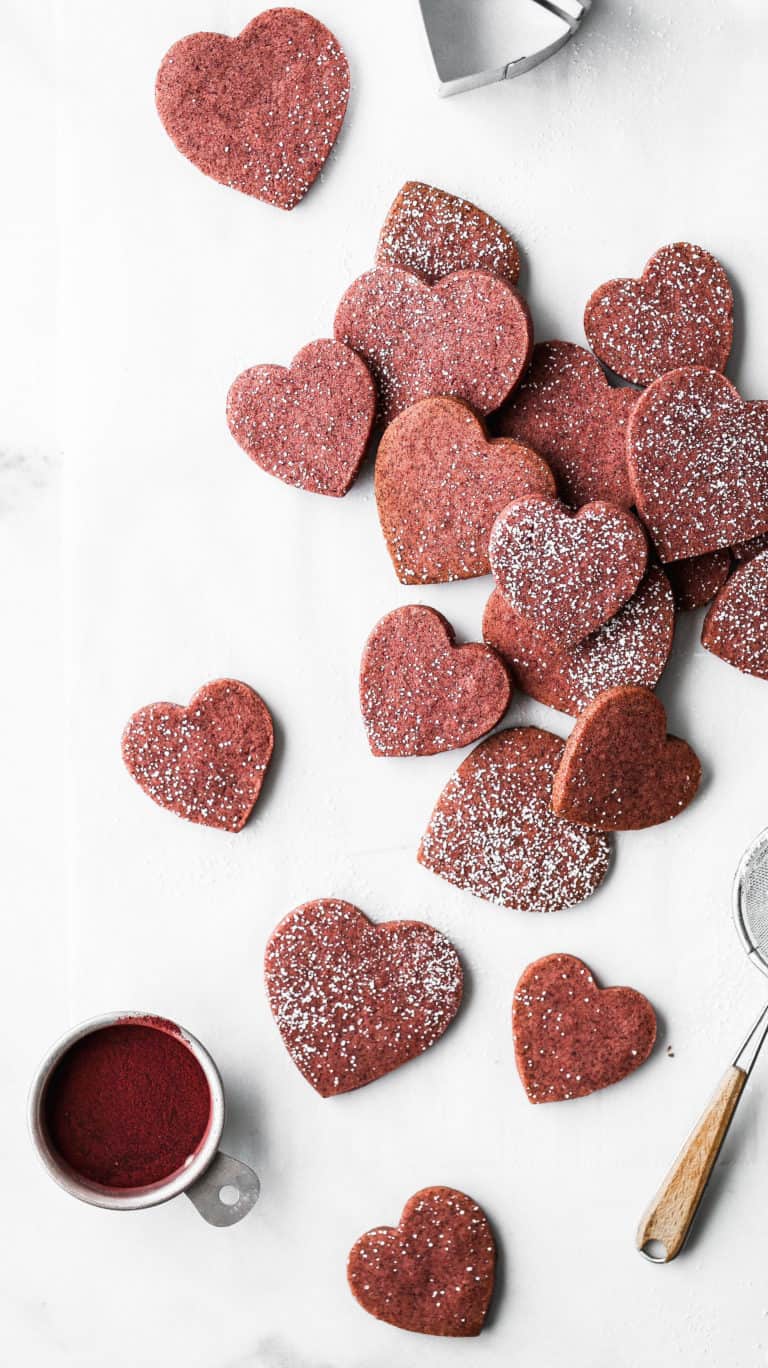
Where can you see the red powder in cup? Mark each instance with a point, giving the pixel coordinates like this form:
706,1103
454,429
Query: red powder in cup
127,1105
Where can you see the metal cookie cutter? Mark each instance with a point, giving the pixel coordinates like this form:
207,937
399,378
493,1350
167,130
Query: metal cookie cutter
467,37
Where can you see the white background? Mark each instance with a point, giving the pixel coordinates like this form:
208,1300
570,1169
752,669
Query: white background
141,554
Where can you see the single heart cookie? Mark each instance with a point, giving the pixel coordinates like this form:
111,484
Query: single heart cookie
205,762
620,771
566,573
696,581
309,423
678,313
434,233
351,1000
573,1038
440,483
468,336
420,693
566,410
259,112
432,1273
632,648
493,831
736,626
698,462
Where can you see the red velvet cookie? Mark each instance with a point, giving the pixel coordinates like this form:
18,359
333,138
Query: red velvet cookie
493,831
434,233
420,693
736,626
698,462
620,771
205,762
469,336
432,1273
573,1038
259,112
308,423
352,1001
566,573
567,411
696,581
747,550
632,648
440,483
678,313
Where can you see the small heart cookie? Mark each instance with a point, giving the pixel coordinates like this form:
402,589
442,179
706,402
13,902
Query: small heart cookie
440,483
620,771
736,626
678,313
351,1000
566,410
434,1272
259,112
434,233
205,762
566,573
573,1038
308,423
696,581
632,648
468,336
493,831
420,693
698,463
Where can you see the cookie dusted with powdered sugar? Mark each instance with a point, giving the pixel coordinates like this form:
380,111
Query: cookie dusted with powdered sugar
432,232
736,626
696,581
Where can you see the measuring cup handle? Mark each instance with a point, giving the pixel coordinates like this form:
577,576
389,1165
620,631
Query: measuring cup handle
222,1173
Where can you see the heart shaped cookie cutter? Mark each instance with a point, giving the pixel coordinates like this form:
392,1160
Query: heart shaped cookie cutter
466,37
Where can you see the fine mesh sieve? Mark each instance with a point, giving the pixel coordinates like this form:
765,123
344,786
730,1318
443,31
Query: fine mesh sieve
750,900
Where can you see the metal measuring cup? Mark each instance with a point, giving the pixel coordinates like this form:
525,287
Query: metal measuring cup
222,1189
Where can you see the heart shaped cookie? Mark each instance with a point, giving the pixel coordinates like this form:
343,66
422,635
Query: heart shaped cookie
566,573
432,1273
493,831
420,693
632,648
309,423
434,233
468,336
620,771
696,581
698,462
205,762
736,626
573,1038
351,1000
678,313
259,112
440,483
566,410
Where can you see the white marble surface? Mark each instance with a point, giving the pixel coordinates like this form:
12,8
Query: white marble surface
152,556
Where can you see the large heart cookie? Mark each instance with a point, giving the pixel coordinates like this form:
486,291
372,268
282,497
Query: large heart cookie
205,762
440,483
353,1001
309,423
420,693
736,626
698,462
259,112
566,410
678,313
632,648
432,1273
493,831
468,336
566,573
571,1037
620,771
429,231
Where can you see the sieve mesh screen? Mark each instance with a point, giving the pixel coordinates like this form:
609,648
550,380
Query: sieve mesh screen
753,895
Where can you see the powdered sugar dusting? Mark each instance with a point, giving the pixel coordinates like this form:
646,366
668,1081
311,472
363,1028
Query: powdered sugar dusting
432,232
736,626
